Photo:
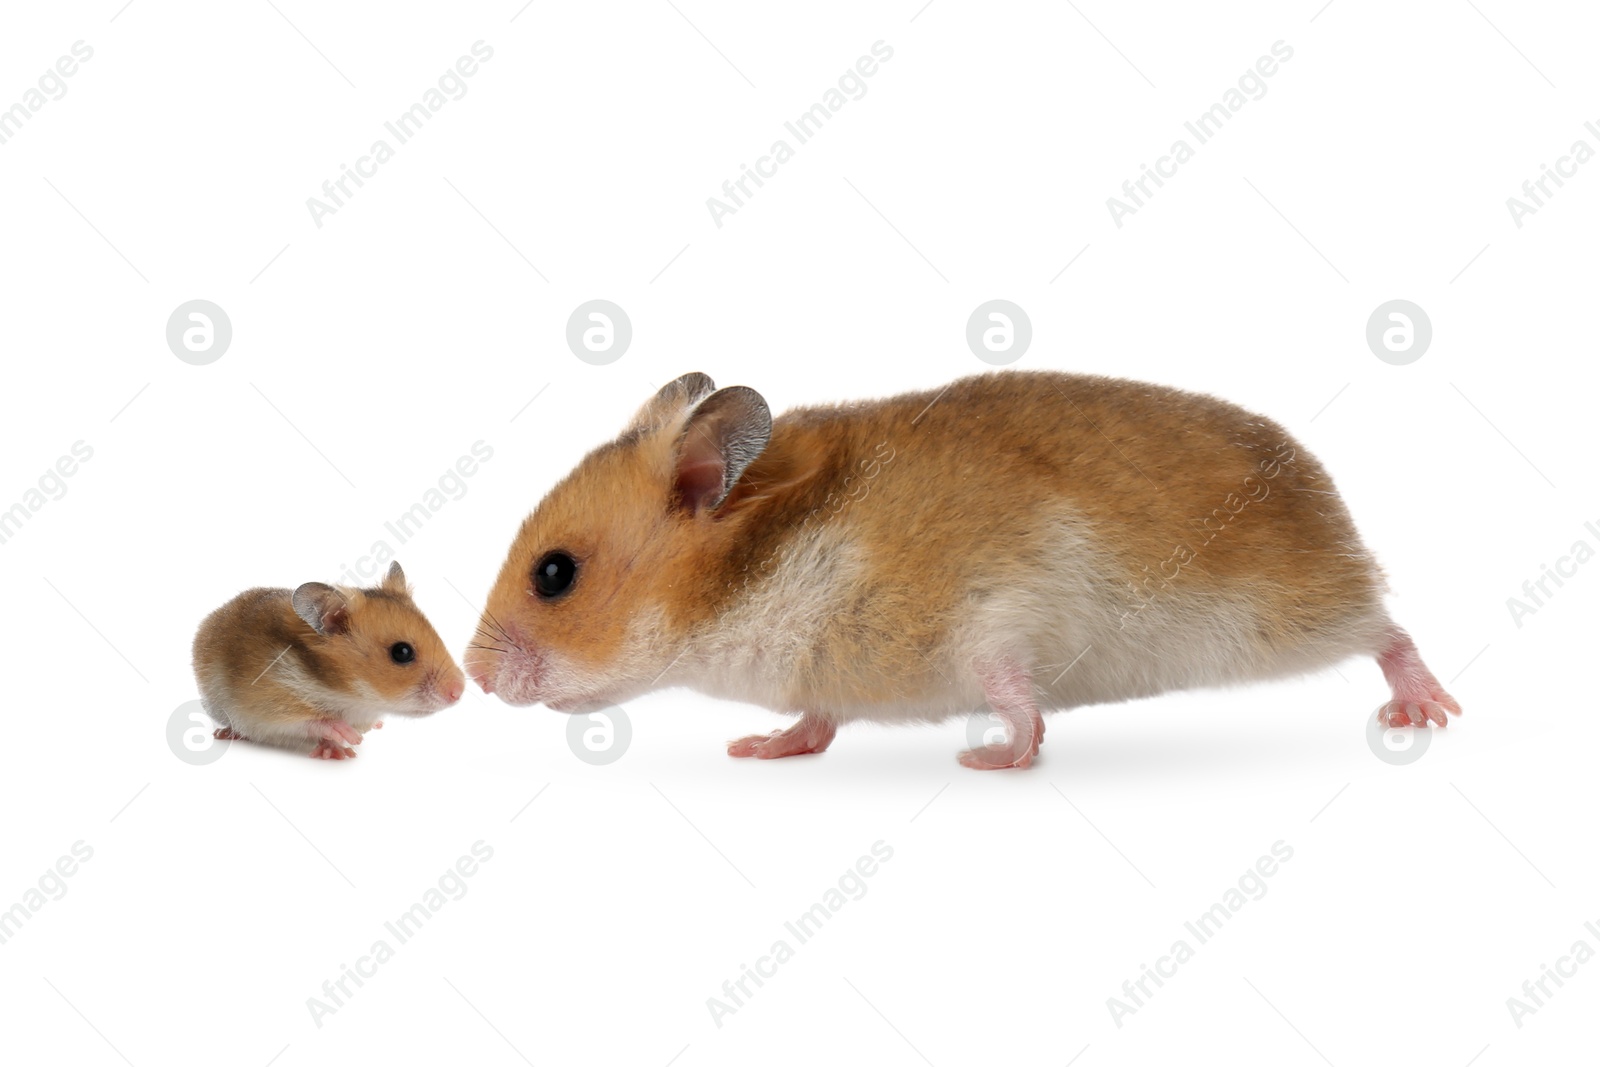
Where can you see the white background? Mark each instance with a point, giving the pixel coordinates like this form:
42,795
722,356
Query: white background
370,353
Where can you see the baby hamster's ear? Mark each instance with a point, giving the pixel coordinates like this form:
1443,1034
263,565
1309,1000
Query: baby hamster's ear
725,433
323,608
395,580
670,401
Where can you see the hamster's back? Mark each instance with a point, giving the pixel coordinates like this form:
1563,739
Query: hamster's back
1081,509
235,642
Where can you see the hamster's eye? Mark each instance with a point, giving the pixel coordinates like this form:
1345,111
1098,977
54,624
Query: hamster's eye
554,573
401,652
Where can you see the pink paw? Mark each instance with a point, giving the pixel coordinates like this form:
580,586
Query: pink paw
224,733
1008,688
1420,712
805,737
333,737
1418,696
998,758
335,730
1019,752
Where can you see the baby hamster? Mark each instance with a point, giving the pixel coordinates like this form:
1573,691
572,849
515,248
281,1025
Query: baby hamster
315,668
1021,541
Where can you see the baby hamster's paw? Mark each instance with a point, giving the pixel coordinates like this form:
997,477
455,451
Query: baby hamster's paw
333,738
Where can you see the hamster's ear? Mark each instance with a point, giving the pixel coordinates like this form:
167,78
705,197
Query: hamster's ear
670,401
725,433
395,580
323,608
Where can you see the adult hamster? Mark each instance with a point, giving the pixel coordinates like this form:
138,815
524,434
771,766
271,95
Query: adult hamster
1022,540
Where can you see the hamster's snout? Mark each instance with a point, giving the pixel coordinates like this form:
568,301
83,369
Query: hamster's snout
512,671
482,675
441,690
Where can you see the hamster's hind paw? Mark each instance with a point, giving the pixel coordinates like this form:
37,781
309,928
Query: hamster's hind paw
1009,689
1418,698
1018,752
996,758
1420,712
332,750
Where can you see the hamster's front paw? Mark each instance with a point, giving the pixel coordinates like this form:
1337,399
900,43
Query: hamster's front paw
333,738
810,734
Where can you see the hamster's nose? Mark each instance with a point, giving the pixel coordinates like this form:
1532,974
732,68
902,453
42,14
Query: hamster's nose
453,689
481,675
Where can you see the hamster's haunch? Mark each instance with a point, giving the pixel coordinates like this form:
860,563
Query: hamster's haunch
316,667
1021,541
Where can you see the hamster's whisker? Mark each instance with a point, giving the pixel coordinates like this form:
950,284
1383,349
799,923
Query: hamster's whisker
480,634
495,623
488,636
489,648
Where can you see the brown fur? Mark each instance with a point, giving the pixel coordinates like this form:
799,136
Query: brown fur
247,652
953,496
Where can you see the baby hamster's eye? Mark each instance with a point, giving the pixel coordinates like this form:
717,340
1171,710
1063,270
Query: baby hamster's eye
401,652
554,573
